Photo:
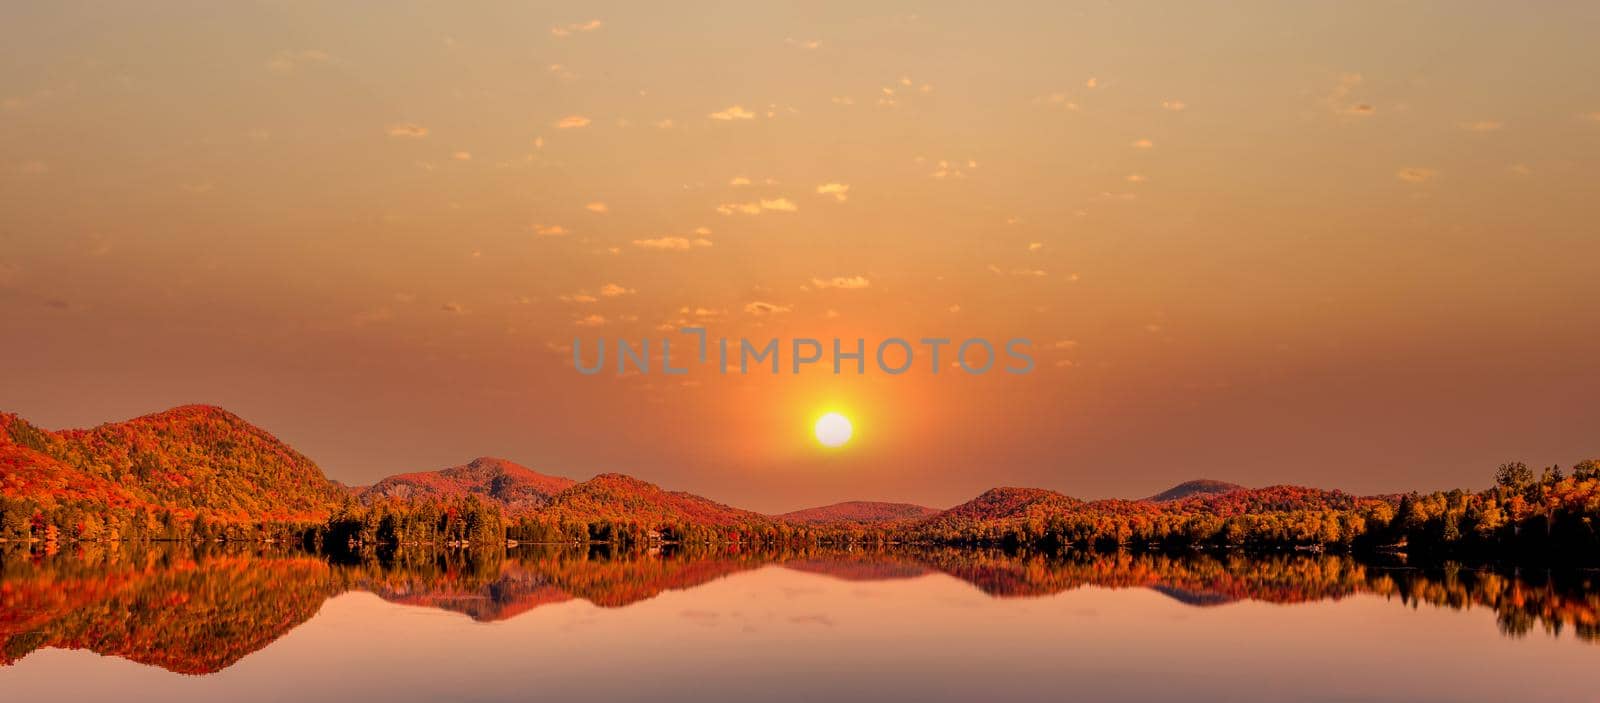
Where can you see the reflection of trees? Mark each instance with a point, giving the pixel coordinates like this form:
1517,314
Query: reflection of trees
199,608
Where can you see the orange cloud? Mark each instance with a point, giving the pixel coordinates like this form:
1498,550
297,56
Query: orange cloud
735,112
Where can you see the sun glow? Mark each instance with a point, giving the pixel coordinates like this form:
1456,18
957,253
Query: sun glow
833,430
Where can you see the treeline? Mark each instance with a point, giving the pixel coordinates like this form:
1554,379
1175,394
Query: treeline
1552,515
25,520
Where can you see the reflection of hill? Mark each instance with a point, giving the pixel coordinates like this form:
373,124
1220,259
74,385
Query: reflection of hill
197,610
183,615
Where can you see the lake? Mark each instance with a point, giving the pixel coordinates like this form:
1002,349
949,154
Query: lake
212,622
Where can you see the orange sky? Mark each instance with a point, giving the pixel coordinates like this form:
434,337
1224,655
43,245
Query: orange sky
1350,246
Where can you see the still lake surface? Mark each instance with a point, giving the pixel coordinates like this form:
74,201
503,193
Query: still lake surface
181,623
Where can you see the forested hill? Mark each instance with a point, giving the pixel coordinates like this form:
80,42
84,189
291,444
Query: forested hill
185,461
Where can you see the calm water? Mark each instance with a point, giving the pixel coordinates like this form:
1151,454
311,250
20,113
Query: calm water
180,624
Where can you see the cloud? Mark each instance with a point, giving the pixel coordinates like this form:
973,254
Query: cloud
1057,100
671,243
1592,117
612,290
1341,101
1136,178
550,230
735,112
1065,344
462,156
842,100
590,321
764,308
1416,175
1521,170
579,298
842,282
839,191
409,130
572,122
1142,144
1035,246
1092,83
756,208
596,207
808,44
453,307
1174,105
1482,126
739,181
954,309
1036,273
567,30
288,61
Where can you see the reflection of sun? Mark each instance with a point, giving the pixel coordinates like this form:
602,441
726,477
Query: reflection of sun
833,430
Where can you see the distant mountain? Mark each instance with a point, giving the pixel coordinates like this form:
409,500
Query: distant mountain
857,511
1199,486
515,487
194,457
624,498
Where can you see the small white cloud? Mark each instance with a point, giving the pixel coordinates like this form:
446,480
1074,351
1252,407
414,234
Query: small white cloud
758,207
597,207
839,191
462,156
612,290
842,282
1092,83
1482,126
572,122
1174,105
1035,246
1143,144
735,112
809,44
579,298
763,308
288,61
1416,175
409,130
567,30
671,243
550,230
590,321
739,181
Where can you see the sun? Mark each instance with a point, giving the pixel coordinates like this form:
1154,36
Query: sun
833,430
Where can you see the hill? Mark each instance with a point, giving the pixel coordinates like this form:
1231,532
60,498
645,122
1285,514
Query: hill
857,511
1008,503
514,487
1199,486
622,498
185,461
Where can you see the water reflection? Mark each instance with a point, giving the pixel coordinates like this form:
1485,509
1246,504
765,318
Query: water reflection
199,609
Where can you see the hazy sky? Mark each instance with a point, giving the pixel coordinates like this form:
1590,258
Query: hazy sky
1350,245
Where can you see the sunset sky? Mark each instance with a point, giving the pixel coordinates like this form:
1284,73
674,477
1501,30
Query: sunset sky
1352,246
